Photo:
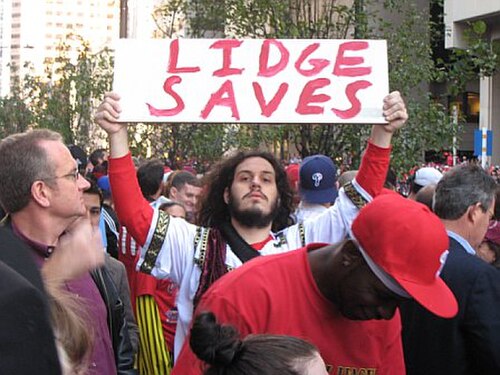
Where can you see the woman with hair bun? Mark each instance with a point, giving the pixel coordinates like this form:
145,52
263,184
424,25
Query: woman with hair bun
221,348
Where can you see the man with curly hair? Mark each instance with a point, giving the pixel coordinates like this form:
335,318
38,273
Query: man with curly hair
244,212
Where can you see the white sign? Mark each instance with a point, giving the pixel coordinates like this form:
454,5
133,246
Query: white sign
251,80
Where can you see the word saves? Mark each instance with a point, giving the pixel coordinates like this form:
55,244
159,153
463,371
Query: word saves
347,63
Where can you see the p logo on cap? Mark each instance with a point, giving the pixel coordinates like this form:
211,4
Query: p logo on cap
318,176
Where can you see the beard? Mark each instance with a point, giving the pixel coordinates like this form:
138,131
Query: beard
253,217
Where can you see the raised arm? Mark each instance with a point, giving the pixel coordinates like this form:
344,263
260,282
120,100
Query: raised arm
396,115
133,210
333,225
375,163
107,116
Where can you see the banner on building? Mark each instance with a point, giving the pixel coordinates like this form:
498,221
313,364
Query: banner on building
483,142
251,80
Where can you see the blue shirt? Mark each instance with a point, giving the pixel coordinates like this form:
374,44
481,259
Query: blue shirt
462,241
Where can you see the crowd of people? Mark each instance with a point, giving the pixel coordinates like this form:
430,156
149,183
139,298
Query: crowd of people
110,266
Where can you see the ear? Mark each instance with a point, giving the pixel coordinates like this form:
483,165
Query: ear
474,213
350,254
41,194
226,195
173,192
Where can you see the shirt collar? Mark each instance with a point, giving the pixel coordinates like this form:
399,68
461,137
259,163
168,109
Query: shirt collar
260,245
42,250
462,241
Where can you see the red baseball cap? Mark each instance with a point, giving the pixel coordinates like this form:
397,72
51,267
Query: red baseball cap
405,245
292,173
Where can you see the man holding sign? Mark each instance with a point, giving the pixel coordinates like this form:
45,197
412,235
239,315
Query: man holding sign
246,207
244,210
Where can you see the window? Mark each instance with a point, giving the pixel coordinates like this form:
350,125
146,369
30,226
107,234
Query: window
468,106
472,106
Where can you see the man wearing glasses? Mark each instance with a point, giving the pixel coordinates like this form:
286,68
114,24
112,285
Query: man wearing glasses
42,192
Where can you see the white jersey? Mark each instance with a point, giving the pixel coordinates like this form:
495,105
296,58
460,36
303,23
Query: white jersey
175,249
307,211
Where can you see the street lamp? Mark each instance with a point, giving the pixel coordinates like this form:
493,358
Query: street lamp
123,18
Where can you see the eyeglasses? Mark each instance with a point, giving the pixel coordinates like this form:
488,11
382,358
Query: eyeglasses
72,175
491,213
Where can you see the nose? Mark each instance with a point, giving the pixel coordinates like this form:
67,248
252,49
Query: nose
83,184
255,183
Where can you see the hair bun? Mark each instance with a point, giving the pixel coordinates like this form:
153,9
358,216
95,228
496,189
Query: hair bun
212,342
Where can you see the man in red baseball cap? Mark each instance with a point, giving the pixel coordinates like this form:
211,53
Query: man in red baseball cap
343,298
407,262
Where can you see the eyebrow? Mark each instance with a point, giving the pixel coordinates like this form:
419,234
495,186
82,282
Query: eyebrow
74,169
251,172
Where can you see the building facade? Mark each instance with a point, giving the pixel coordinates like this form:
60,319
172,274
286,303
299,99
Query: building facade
458,14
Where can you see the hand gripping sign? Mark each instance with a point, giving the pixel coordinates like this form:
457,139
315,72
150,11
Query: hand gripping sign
251,80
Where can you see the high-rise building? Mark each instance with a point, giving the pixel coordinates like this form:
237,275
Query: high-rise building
5,27
31,30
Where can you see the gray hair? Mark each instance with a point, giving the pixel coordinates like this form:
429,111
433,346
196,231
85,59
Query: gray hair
22,162
462,187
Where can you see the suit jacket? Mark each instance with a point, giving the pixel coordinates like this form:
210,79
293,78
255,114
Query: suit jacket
18,256
468,343
27,344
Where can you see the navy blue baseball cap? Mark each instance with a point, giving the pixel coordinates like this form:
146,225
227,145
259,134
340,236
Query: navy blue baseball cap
318,176
79,155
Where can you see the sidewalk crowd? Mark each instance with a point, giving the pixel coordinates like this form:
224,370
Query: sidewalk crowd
114,265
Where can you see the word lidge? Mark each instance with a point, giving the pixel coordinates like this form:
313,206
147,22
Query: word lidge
295,80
